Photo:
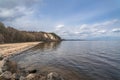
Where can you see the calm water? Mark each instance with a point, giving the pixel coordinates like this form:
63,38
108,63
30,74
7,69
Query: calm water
75,60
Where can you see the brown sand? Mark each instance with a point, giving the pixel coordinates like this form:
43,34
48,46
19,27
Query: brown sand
12,48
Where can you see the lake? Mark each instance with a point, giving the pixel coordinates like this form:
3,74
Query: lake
75,60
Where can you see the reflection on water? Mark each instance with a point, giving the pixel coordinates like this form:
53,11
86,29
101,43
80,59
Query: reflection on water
80,60
47,46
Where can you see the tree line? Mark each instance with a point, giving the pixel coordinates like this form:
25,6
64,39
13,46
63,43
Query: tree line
12,35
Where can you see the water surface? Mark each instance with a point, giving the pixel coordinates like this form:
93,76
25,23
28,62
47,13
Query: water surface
75,60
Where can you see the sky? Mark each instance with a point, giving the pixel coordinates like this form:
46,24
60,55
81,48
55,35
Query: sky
70,19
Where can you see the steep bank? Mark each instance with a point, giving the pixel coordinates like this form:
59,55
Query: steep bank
12,35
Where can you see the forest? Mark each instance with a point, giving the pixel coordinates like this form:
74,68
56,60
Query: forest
12,35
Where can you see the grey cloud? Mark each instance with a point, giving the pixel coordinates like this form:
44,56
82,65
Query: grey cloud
20,14
10,14
59,27
13,3
116,30
97,29
12,9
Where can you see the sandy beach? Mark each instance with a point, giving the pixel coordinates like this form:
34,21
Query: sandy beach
12,48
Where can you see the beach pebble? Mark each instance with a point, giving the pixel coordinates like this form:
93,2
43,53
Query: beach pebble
54,76
7,65
6,75
43,78
2,66
1,56
32,77
15,76
22,78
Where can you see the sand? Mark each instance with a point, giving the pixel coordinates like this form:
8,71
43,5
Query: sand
12,48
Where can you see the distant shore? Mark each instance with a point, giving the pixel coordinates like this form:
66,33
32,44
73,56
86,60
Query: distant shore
13,48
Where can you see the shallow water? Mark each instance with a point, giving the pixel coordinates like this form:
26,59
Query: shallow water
75,60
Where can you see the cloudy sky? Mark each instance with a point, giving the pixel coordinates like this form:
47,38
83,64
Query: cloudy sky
81,19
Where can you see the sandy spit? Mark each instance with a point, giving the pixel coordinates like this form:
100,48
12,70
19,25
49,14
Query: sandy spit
13,48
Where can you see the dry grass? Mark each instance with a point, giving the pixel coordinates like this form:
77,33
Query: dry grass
8,49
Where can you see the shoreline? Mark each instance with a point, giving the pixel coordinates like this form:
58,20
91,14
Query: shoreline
9,70
11,49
